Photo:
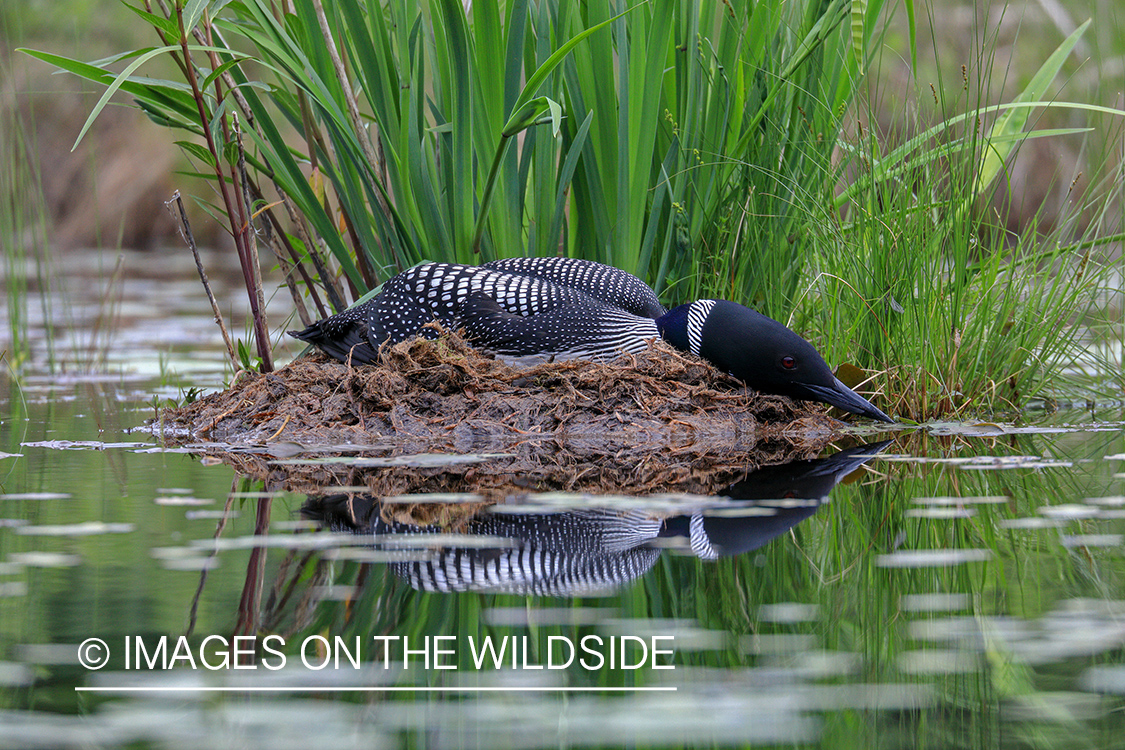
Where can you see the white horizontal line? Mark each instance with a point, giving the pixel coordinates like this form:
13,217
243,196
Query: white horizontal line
394,689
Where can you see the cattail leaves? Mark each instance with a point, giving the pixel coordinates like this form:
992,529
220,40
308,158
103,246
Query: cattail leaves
668,104
1006,131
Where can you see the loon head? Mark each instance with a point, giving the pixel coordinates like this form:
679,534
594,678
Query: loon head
760,351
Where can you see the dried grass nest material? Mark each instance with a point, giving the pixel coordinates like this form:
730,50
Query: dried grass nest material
657,417
444,393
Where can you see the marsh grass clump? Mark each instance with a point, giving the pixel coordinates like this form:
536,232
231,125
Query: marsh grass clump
947,322
922,279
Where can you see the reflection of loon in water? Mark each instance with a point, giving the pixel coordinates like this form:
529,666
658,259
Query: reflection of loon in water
589,551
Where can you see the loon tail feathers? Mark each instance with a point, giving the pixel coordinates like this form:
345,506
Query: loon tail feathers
348,342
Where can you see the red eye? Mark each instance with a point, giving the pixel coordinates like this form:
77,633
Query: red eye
788,363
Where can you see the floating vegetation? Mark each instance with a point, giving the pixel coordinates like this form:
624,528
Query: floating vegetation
940,513
1092,540
12,588
932,558
88,528
446,393
416,460
81,445
35,496
203,515
966,500
936,602
182,500
44,559
938,662
788,612
1030,523
1069,511
988,463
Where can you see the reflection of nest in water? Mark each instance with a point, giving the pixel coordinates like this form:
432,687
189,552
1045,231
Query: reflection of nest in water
656,421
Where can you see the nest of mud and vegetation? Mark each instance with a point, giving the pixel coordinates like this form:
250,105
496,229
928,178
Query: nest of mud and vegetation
657,421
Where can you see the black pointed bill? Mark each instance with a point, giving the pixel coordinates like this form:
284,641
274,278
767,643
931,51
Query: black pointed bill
845,398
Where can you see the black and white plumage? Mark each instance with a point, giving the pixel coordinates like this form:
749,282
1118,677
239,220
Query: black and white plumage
591,550
517,306
558,554
788,493
604,283
565,307
584,328
575,553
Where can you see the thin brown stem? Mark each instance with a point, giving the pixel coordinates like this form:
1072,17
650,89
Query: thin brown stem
189,238
236,213
261,328
335,296
288,263
194,611
331,287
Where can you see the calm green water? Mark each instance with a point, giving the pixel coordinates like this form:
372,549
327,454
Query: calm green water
957,590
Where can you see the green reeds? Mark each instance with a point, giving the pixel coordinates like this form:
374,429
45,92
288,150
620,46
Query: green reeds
698,143
23,221
956,315
636,135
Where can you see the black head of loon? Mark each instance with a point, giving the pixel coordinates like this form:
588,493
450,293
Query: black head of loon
758,350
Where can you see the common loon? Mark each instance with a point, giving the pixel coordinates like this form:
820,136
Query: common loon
569,307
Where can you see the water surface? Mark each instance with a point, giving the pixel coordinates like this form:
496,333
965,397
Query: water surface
961,586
